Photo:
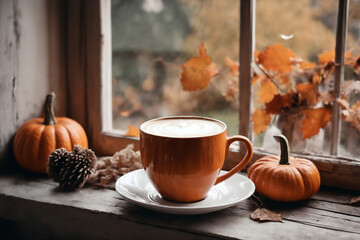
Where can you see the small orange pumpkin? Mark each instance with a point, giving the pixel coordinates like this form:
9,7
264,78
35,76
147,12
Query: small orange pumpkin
38,137
285,178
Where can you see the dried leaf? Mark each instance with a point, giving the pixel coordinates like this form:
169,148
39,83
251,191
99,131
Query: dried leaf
277,58
234,66
354,119
326,56
197,72
329,56
255,79
355,200
327,97
314,120
125,113
284,80
356,106
261,120
232,91
350,114
356,65
343,103
350,86
349,59
133,131
308,92
316,78
149,83
109,169
267,91
258,79
213,71
307,65
263,214
280,101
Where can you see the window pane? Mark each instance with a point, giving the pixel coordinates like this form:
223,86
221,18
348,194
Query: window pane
150,41
350,128
293,81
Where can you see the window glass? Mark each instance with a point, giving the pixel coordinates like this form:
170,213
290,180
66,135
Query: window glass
350,128
291,84
150,41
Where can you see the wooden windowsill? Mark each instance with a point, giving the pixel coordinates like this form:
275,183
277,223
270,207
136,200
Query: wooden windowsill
32,207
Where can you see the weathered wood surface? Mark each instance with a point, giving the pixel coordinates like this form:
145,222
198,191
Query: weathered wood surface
31,63
38,206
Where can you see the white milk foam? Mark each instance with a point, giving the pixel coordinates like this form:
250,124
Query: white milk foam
182,128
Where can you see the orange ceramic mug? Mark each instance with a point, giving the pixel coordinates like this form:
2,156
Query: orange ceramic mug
182,156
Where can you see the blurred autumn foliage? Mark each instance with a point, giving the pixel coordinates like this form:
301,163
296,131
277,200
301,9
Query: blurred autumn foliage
153,47
298,91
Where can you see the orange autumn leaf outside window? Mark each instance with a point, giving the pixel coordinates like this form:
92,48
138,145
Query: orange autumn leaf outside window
276,58
278,88
197,72
280,101
314,120
233,66
267,91
307,65
329,56
261,120
298,99
308,92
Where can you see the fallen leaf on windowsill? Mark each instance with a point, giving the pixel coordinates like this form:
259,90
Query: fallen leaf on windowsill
263,214
355,200
133,131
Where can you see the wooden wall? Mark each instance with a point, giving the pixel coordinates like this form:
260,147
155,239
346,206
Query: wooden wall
32,63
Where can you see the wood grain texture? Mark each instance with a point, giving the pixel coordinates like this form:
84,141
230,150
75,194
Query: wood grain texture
76,61
9,43
340,47
96,39
40,57
30,64
245,72
102,213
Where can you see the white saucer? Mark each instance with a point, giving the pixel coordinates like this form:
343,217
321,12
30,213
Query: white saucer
136,188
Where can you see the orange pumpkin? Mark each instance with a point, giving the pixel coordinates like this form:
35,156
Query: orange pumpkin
38,137
285,178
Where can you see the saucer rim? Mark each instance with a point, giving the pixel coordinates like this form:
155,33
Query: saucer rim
185,208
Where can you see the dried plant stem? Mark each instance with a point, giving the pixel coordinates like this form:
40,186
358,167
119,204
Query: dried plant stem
268,76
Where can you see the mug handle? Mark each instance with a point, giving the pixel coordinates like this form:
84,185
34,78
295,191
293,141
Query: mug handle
243,162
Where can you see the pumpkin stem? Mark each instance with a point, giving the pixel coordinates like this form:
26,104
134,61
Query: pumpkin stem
49,118
285,149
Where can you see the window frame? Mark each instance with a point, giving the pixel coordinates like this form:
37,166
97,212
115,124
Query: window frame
335,170
94,55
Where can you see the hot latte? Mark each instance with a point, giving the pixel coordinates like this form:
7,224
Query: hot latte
183,155
183,127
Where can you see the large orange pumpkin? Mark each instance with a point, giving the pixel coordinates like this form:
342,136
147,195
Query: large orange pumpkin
285,178
38,137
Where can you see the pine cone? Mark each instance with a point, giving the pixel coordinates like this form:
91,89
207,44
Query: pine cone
73,172
57,159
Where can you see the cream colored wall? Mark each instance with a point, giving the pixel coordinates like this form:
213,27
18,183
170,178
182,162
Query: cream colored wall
32,53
